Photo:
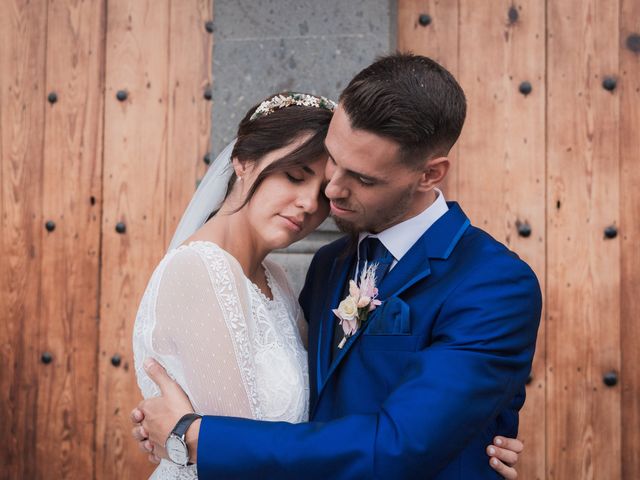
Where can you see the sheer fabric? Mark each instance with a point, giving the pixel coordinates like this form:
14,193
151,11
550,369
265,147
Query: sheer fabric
234,351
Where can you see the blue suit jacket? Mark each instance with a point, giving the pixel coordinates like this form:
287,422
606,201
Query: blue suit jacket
420,390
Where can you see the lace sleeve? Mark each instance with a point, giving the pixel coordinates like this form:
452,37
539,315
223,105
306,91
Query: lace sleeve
200,332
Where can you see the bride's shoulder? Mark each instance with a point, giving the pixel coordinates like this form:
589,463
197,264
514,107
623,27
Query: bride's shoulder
218,261
189,256
195,265
197,248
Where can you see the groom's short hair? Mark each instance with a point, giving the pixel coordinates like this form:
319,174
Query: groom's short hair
410,99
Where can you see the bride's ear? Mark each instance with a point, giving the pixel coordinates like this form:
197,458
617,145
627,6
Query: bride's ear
239,167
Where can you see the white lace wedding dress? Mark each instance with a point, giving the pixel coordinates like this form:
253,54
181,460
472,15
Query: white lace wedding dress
234,351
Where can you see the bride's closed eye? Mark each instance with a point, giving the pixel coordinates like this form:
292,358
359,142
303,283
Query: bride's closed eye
294,178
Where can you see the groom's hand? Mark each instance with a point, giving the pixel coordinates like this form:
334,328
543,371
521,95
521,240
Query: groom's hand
155,417
504,453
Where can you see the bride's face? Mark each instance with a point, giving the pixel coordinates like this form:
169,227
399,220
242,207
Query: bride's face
288,205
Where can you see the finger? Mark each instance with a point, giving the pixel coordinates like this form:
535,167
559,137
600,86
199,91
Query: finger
505,456
152,435
148,446
139,433
507,472
512,444
159,451
136,415
142,447
158,374
154,459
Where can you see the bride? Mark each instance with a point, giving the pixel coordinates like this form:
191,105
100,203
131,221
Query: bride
220,317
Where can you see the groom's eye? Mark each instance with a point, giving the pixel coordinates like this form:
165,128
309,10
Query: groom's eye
366,182
294,179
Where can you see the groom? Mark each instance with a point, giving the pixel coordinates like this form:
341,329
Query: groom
439,368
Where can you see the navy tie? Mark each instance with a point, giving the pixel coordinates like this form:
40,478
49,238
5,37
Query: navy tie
372,251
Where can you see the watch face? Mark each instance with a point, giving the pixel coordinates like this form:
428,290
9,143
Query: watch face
177,450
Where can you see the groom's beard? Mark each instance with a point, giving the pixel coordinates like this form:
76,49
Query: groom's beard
386,216
345,227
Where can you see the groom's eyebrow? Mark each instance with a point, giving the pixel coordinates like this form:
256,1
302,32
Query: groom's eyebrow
353,173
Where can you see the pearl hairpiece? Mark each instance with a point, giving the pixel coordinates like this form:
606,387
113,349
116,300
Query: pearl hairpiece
286,100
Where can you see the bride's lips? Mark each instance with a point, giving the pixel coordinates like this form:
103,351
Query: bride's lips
339,211
292,223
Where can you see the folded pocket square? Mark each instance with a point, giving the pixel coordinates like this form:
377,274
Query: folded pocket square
390,318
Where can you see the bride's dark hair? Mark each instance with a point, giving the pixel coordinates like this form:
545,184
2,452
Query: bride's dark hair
266,133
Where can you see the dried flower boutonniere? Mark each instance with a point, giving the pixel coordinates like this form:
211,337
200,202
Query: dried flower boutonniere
356,306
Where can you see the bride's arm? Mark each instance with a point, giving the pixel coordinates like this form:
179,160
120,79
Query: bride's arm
198,333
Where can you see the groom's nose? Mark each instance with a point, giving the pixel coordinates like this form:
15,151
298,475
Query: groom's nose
335,187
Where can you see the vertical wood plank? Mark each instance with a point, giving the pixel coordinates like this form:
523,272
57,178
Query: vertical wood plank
70,254
22,106
437,40
501,158
72,177
135,149
583,294
499,170
189,113
629,91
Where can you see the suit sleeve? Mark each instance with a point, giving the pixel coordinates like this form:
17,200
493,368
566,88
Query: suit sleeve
479,356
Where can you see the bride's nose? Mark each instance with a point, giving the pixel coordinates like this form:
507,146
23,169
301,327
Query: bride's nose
307,199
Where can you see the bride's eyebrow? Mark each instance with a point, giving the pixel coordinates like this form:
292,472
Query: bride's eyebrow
309,170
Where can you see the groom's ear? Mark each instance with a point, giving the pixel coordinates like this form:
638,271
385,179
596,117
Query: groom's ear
433,172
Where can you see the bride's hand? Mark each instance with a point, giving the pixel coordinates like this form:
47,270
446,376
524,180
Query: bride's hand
504,455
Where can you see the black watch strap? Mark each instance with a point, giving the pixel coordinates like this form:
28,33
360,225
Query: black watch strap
184,423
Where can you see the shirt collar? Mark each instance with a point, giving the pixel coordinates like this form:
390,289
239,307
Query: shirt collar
399,238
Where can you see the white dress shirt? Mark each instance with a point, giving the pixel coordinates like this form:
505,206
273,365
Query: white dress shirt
399,238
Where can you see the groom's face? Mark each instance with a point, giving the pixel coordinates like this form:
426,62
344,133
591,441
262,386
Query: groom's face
369,188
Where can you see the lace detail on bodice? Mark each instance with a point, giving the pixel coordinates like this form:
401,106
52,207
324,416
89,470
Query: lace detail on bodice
277,343
222,339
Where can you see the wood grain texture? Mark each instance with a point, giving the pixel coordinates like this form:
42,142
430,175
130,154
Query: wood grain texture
189,114
502,158
498,169
22,106
69,419
629,92
438,40
583,291
160,53
72,181
135,186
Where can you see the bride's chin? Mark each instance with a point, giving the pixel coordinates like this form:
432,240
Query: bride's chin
283,240
289,241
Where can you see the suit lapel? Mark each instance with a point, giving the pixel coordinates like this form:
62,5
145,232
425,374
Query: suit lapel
414,266
436,243
337,280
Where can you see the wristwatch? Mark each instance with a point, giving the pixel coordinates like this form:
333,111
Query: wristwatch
176,446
